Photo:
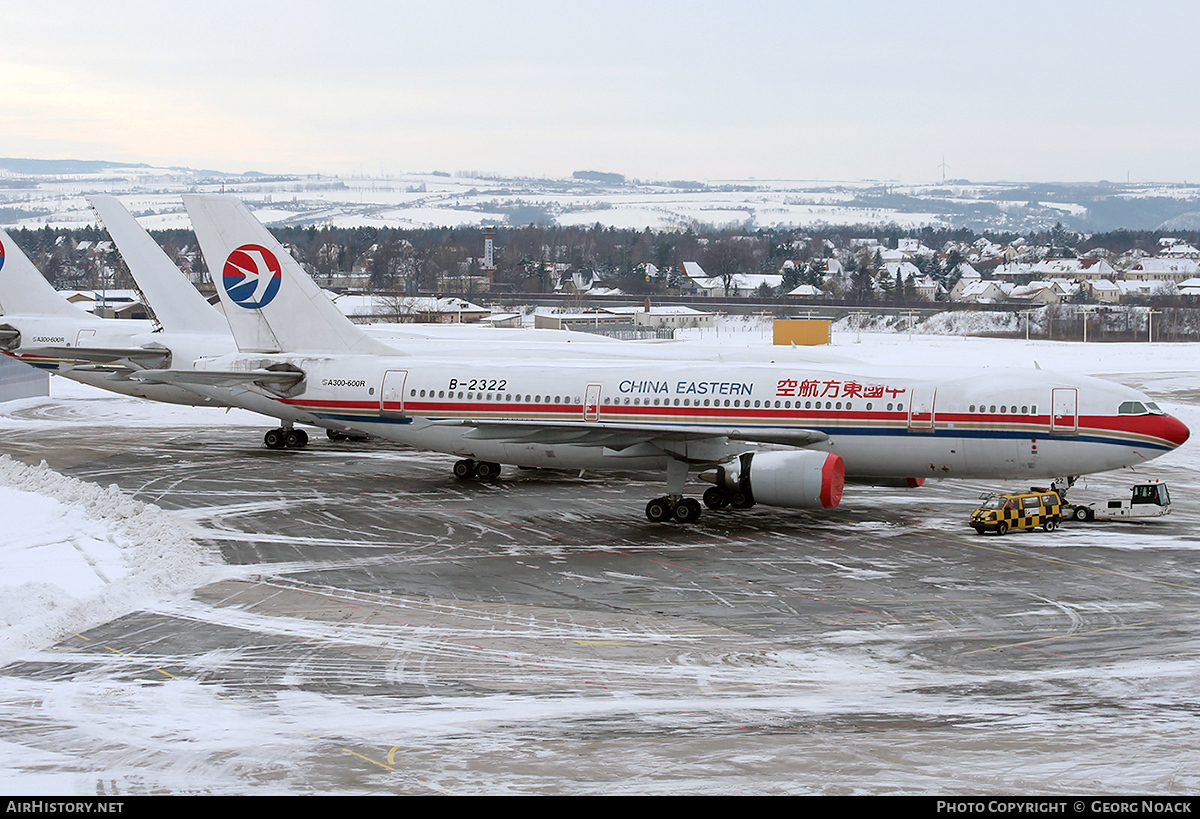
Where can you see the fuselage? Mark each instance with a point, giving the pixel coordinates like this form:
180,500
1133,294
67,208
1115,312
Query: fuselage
895,423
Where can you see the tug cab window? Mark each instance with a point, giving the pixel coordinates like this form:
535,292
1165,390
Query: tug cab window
1153,493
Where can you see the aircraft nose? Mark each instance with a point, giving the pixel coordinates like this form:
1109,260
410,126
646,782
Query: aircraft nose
1174,430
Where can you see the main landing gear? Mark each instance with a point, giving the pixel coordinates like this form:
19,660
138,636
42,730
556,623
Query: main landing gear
484,470
286,438
674,506
687,510
681,510
717,497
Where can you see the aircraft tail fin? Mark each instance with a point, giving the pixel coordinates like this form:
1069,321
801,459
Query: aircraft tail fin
272,305
24,290
178,306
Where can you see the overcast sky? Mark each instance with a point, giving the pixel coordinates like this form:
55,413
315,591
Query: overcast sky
1015,91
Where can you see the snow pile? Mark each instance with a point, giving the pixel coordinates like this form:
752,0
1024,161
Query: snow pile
972,323
949,323
74,555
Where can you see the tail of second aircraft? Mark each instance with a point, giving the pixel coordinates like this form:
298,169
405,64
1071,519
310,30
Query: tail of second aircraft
24,290
177,305
272,305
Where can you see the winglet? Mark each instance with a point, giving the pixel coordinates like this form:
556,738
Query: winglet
178,306
24,291
272,305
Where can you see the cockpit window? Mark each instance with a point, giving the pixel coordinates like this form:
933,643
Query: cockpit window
1138,408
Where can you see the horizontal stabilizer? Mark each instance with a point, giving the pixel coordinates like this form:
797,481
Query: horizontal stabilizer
271,379
146,357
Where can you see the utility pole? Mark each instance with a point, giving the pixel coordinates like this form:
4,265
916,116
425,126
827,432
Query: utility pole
1085,312
859,315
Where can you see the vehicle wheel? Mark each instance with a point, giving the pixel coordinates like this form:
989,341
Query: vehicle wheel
1002,528
715,498
464,469
1050,525
1081,513
274,439
487,471
659,509
978,530
739,500
688,510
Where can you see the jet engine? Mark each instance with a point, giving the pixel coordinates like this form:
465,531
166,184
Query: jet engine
799,479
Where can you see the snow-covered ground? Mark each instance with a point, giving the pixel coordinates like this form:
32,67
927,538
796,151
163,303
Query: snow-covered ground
415,200
76,555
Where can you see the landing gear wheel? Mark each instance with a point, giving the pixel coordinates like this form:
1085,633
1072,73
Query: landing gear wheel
740,500
1002,528
294,438
715,498
1050,525
487,471
464,469
688,510
335,435
659,509
274,439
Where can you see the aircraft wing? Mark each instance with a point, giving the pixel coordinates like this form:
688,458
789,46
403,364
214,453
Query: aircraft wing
621,436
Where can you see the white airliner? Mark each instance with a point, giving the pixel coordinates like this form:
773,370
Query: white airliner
42,329
871,425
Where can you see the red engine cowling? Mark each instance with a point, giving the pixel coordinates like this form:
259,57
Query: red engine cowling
798,479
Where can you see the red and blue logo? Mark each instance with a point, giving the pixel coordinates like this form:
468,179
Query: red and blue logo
1,255
251,276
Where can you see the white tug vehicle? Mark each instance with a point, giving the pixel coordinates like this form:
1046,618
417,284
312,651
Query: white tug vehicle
1146,500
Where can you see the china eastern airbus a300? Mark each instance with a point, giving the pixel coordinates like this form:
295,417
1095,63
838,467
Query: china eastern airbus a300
821,425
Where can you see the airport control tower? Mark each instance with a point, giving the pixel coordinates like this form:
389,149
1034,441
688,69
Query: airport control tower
489,264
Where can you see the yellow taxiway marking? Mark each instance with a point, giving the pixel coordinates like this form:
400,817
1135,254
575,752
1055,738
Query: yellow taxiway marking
368,759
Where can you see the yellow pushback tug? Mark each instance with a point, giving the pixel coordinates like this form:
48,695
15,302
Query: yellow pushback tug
1018,510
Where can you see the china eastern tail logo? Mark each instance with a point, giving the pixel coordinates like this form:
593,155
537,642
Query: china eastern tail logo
251,276
1,255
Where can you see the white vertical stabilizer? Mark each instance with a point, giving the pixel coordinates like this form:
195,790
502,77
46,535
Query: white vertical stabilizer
177,305
272,305
24,291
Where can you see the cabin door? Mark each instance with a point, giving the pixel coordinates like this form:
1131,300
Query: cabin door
391,395
591,403
1064,409
921,413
